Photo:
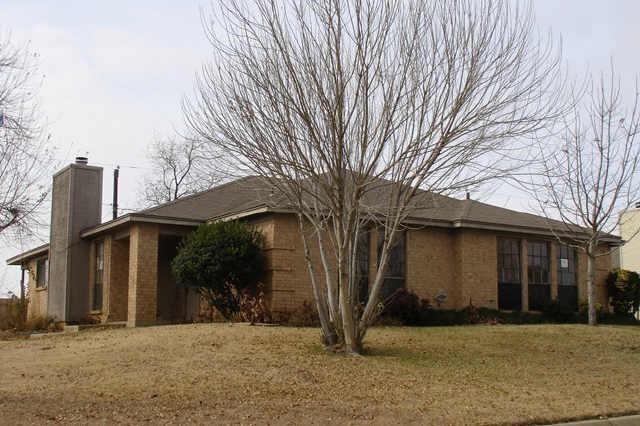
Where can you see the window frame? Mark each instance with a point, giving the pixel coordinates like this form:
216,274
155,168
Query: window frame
514,261
538,271
44,272
572,263
395,275
98,277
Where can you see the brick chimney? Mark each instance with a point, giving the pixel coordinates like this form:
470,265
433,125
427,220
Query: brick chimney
76,204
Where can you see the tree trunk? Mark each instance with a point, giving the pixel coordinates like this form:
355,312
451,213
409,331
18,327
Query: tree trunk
330,338
591,285
351,342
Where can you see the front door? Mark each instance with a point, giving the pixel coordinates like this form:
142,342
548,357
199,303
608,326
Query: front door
509,283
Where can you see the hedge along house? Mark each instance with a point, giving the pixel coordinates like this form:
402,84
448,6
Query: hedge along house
455,252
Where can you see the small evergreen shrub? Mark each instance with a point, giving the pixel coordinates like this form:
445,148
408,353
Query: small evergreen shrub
224,260
624,291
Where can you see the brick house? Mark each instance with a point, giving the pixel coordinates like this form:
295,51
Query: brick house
455,252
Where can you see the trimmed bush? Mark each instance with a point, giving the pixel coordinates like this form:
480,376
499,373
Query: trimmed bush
408,309
224,260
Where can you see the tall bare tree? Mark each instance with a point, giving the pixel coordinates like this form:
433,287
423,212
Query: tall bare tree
25,155
350,109
180,167
593,174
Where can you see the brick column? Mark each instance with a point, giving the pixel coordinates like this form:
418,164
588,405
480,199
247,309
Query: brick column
553,272
524,263
143,275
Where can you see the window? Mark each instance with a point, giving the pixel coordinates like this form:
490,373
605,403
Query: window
362,266
98,277
567,281
42,272
566,266
508,261
394,276
509,279
538,269
538,273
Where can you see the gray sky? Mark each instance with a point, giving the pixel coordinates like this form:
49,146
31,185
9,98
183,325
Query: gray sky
115,73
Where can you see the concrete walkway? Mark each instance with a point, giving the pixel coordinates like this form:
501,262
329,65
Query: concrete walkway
614,421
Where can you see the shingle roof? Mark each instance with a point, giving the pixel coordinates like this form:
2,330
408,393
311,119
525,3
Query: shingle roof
251,193
240,195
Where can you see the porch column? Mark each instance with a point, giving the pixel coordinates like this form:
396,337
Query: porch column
524,262
143,275
553,273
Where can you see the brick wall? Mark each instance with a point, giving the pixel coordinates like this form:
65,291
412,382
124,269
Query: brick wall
143,274
431,265
603,267
460,263
37,296
477,260
117,281
291,285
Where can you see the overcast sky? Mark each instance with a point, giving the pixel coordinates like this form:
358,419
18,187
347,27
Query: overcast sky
115,73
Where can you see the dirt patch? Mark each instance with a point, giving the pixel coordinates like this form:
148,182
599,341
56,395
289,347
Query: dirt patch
240,374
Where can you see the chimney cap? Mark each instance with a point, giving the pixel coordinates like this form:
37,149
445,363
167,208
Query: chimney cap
82,160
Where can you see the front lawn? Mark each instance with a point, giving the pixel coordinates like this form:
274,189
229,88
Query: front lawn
242,374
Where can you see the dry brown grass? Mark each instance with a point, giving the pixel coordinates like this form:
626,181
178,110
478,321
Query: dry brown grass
240,374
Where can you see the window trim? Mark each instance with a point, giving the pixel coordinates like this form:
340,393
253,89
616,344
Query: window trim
98,272
572,264
401,239
530,264
45,280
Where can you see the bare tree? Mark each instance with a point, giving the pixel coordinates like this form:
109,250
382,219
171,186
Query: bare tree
593,174
358,111
180,167
25,156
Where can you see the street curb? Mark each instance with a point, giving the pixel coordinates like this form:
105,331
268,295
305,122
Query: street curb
614,421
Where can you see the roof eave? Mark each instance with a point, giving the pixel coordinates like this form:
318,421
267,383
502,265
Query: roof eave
137,218
28,255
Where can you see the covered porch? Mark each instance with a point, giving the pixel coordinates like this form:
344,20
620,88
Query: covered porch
130,275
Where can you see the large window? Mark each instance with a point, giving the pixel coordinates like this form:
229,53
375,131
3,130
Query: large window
509,278
394,277
98,276
538,274
42,272
567,282
362,266
566,265
509,261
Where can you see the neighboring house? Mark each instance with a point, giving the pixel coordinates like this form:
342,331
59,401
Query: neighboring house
630,252
455,252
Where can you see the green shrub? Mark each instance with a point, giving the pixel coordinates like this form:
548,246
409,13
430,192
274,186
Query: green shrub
408,309
624,291
556,312
224,260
